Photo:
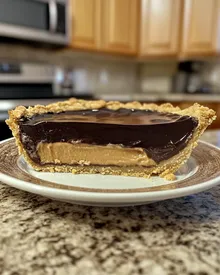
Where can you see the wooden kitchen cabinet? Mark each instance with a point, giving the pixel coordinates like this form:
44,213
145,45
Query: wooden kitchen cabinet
86,24
119,26
159,27
200,27
147,28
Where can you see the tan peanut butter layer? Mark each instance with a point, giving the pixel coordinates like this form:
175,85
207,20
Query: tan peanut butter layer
86,154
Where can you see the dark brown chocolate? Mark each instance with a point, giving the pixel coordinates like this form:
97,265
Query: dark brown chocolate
162,135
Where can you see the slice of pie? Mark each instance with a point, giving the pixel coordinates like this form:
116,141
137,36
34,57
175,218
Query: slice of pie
113,138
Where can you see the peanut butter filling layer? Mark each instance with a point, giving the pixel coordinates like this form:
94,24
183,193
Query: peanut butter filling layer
86,154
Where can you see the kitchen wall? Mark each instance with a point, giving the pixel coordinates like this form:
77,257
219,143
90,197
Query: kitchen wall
100,73
93,72
156,77
107,74
124,78
114,77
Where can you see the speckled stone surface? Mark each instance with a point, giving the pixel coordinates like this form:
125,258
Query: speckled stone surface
41,236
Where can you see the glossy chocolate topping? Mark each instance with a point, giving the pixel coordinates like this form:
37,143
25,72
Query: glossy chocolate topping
162,135
107,116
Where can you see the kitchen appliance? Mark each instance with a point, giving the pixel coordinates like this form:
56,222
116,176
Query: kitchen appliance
30,84
189,78
35,20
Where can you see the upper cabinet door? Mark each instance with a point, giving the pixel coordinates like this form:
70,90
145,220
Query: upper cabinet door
160,21
85,23
119,26
200,27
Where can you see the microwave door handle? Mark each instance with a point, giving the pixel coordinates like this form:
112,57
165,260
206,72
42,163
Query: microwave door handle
52,15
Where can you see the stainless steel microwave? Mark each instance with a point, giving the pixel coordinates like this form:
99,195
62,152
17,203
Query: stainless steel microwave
45,21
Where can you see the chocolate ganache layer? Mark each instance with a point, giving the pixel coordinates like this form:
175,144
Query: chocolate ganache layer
161,135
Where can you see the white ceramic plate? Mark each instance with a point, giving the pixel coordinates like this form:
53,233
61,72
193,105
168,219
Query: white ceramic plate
201,172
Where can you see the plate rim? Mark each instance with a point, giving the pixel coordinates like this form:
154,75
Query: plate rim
108,197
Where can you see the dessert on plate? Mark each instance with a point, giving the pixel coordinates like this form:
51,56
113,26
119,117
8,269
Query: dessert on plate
130,139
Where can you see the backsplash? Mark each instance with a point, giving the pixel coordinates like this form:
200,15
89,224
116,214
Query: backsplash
92,72
156,77
105,74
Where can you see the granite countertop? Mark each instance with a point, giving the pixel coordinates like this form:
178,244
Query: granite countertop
178,236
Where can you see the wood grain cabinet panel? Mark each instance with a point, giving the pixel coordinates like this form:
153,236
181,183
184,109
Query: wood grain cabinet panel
159,34
86,24
200,27
119,26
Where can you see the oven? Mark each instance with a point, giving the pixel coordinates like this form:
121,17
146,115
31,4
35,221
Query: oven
44,21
